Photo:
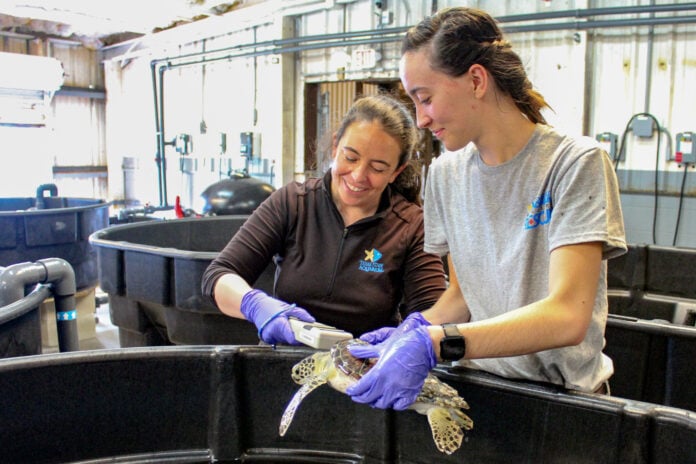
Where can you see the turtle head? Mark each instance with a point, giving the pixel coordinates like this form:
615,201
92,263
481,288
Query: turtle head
309,367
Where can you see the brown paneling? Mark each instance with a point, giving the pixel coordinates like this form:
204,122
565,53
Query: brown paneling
311,114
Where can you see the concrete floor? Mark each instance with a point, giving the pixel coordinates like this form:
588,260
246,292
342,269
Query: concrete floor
105,333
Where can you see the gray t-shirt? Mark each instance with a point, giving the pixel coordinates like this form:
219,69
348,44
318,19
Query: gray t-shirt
500,224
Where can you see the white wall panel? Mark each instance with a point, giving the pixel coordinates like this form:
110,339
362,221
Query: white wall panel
555,64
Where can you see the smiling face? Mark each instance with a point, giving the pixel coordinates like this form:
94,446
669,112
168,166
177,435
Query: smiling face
365,161
444,104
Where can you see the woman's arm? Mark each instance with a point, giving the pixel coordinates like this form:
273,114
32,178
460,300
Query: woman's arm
228,292
561,319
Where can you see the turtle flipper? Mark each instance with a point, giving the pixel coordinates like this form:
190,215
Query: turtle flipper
309,384
447,432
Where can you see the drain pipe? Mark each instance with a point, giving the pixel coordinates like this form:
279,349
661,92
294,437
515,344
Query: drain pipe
59,273
19,308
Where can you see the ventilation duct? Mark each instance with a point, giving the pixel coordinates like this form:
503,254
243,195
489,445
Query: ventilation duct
27,85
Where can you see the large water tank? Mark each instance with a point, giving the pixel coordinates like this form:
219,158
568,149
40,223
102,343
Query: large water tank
52,227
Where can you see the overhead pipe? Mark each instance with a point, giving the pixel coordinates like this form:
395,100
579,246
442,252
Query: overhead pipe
380,36
577,13
604,11
339,39
59,273
601,24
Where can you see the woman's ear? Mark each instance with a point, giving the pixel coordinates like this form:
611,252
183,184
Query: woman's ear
396,173
479,77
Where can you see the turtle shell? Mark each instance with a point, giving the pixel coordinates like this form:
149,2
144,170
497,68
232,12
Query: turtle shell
347,363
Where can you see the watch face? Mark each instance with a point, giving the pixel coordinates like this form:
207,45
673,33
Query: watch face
452,348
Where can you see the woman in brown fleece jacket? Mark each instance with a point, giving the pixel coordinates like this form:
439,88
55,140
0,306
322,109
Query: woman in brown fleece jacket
348,247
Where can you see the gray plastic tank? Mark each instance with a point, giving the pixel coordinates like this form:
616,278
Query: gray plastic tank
52,227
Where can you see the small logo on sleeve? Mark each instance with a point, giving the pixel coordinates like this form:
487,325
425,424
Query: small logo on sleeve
371,262
539,211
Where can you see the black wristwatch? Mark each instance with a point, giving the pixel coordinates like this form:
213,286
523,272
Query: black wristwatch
452,345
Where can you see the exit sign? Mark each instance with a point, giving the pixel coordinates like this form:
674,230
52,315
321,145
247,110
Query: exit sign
364,58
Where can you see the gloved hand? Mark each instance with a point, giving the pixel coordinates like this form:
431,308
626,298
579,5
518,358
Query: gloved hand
412,321
398,376
270,316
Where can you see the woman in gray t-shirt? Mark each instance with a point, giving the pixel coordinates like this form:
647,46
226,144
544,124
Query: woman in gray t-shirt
526,215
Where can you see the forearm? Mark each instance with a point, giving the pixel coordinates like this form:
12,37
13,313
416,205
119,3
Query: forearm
228,291
560,319
540,326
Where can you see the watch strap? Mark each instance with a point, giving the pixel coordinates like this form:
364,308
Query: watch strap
451,330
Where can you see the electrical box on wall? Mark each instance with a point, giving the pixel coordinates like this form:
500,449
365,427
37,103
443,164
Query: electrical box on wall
686,150
223,143
183,144
608,141
246,144
643,126
250,144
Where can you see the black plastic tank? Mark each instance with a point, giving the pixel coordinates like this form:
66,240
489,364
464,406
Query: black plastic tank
651,328
152,273
238,194
223,404
52,227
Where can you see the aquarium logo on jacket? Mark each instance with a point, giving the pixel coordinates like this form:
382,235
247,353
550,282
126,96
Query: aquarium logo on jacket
370,263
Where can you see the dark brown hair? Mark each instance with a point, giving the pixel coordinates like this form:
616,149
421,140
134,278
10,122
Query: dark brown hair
459,37
396,120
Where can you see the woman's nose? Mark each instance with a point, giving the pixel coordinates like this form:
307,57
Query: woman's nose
359,172
422,119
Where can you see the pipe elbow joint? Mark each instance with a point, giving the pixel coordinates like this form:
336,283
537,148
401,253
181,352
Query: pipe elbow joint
61,273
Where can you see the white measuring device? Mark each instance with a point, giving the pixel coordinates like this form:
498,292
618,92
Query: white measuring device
316,334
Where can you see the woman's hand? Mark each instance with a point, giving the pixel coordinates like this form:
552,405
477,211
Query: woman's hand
397,378
270,316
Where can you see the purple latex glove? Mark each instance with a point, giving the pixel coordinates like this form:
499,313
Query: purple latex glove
270,316
398,376
412,321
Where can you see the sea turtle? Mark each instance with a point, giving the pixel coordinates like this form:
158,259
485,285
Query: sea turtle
337,367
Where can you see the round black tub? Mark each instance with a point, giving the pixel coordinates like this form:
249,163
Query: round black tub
152,273
223,404
59,228
651,336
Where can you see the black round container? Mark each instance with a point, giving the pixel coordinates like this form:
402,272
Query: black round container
61,229
152,272
223,404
